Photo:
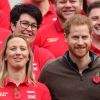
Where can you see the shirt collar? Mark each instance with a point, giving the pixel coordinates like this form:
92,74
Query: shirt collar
92,56
7,81
58,26
51,8
96,50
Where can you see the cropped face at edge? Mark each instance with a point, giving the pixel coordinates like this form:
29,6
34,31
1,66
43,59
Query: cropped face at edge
94,16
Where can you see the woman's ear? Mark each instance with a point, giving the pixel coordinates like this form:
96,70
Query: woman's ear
13,27
64,35
5,58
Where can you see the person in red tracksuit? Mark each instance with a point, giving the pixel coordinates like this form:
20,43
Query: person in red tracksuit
17,80
25,19
51,37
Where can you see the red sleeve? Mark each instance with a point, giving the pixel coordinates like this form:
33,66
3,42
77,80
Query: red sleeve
43,55
4,33
4,6
5,15
4,20
40,36
44,92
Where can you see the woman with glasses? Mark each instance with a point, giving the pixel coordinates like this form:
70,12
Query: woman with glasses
26,19
17,80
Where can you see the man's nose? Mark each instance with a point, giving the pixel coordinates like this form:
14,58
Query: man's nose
68,4
80,41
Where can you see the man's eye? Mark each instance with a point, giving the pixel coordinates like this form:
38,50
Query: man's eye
75,37
62,1
94,18
85,37
73,1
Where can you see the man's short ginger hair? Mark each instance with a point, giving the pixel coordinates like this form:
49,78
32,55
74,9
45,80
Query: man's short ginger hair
77,20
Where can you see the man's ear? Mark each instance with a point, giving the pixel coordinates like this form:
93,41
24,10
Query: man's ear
91,35
13,27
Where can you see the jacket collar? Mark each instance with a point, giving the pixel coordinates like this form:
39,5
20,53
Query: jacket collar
92,56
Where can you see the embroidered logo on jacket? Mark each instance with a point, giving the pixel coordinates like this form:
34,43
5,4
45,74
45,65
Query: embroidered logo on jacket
52,39
3,94
31,95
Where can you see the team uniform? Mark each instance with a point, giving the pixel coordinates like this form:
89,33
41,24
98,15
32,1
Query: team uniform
4,33
49,17
25,91
51,37
5,14
41,56
64,81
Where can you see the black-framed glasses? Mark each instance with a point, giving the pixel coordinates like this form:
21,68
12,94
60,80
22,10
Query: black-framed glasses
25,24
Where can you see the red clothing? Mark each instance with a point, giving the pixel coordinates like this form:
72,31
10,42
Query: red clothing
95,50
82,12
41,56
25,91
4,22
51,37
4,33
49,17
5,14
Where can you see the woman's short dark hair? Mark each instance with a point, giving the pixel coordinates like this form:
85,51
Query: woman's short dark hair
29,9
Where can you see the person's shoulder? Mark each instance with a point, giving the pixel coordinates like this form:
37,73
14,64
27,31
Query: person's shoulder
46,27
53,64
43,91
42,87
43,51
96,60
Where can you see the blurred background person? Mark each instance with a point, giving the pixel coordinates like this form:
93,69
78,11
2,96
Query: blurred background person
4,21
4,33
93,13
5,14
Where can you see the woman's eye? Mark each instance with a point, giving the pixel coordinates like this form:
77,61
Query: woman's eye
23,49
12,49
